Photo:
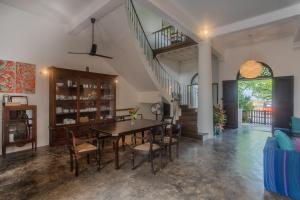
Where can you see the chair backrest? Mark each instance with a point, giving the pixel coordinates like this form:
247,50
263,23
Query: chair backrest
176,130
71,140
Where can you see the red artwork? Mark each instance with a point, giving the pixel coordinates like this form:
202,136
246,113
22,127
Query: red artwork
25,78
17,77
7,76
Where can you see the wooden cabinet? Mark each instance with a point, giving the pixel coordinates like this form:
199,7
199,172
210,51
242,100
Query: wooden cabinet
18,126
78,99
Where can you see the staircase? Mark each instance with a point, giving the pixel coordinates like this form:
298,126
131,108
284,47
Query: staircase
166,84
188,119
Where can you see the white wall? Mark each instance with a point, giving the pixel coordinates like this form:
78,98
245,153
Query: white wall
30,39
278,54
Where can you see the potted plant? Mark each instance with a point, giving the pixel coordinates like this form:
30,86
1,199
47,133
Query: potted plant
219,120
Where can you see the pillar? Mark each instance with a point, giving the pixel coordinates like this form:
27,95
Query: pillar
205,102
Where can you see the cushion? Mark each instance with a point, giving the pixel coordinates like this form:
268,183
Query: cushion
85,147
167,140
297,145
296,125
146,147
284,142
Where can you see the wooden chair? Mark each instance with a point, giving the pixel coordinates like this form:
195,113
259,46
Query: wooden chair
78,148
150,147
172,138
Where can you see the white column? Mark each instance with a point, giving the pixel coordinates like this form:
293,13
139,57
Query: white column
205,104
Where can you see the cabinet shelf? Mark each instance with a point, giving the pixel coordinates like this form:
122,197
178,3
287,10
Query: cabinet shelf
88,87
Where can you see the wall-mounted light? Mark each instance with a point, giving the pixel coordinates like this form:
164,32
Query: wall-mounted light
44,72
116,81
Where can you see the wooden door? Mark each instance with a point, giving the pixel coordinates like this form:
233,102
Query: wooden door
230,103
283,101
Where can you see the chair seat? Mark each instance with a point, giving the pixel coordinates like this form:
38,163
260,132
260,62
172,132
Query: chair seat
167,140
85,147
146,147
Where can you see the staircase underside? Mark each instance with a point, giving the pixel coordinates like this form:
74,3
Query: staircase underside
187,43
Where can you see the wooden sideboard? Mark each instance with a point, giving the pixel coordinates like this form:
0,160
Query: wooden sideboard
77,100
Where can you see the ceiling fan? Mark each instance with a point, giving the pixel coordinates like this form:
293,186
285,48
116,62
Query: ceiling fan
93,51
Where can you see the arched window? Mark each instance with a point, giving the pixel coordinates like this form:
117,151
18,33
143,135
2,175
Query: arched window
266,73
194,79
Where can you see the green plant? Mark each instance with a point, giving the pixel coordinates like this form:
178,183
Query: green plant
219,119
133,113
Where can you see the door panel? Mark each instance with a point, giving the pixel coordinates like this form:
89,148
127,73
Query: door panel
230,103
283,101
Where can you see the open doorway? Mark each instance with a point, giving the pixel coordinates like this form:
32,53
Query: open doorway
255,100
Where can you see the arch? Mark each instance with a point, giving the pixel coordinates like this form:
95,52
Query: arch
194,79
266,73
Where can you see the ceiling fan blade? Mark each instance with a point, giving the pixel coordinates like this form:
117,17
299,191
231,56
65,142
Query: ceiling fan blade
103,56
77,53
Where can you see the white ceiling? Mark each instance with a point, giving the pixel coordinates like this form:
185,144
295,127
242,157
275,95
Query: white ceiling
268,32
216,13
60,10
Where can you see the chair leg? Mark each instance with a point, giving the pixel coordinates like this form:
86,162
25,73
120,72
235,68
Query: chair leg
76,168
98,159
132,160
177,150
170,152
71,162
88,158
123,142
134,138
103,142
152,164
160,158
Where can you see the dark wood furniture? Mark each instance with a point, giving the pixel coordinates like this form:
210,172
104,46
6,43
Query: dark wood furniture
150,147
172,138
119,129
78,148
18,126
79,98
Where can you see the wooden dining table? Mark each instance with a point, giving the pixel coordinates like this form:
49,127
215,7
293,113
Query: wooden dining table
123,128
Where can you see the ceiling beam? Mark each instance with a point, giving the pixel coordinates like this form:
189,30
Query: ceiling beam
97,9
258,20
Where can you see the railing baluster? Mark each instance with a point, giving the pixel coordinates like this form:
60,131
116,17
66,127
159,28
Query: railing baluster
161,39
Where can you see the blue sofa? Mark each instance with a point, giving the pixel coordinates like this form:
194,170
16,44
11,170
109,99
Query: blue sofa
281,170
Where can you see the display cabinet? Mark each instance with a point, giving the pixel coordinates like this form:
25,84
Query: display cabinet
18,126
78,99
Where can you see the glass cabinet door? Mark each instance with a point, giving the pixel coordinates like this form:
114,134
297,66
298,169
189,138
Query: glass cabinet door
107,99
88,100
66,101
19,127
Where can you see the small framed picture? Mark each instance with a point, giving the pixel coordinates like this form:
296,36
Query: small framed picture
22,100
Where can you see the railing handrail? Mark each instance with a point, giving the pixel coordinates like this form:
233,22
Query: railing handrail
146,38
139,21
164,28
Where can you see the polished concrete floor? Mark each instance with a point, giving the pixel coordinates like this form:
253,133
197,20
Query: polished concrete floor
227,167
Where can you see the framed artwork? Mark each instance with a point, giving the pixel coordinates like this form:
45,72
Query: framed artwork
16,77
7,76
25,78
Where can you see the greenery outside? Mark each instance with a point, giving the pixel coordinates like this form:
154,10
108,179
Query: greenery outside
252,91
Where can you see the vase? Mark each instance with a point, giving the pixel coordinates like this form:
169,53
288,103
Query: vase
132,121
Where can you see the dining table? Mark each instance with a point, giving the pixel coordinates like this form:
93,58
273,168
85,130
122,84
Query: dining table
120,129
